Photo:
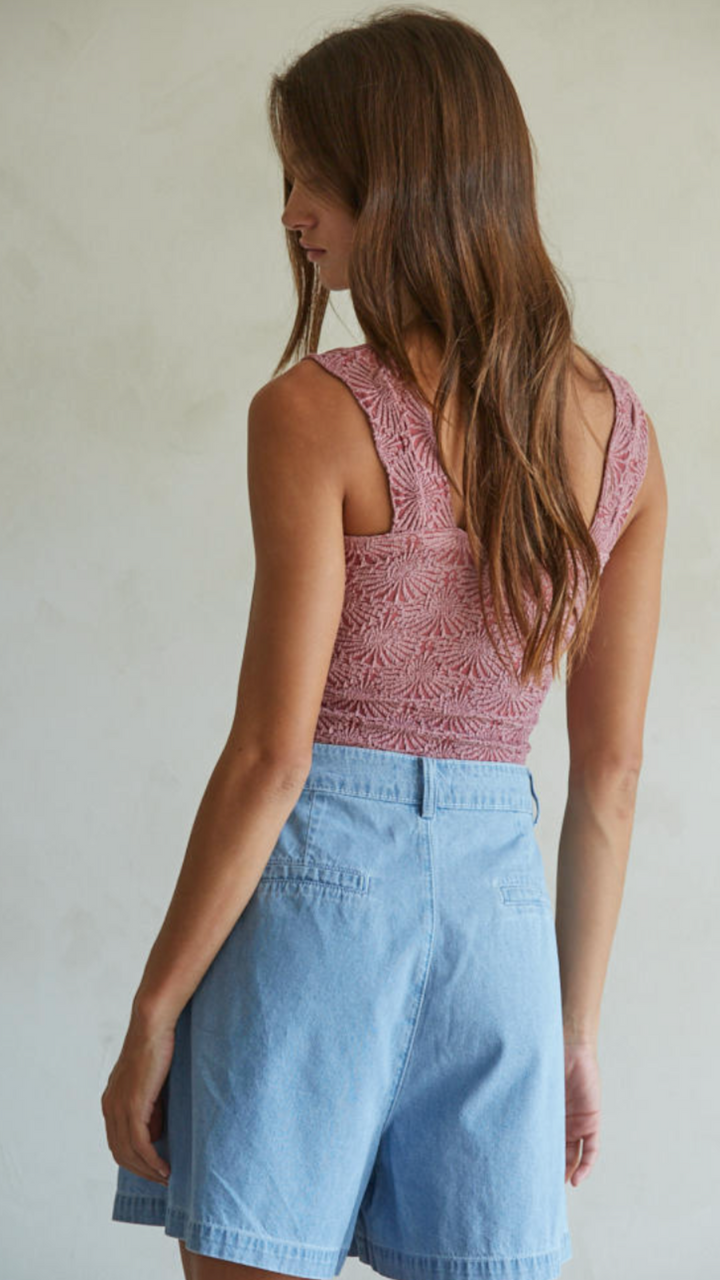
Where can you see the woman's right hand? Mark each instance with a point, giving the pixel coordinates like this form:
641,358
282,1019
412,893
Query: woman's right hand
582,1109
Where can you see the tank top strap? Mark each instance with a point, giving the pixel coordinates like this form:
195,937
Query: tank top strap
626,462
403,435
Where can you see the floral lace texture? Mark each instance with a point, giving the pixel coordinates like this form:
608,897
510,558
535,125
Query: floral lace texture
413,668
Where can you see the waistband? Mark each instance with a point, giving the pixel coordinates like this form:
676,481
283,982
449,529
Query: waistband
429,782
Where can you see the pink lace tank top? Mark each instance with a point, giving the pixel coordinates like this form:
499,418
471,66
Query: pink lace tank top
412,668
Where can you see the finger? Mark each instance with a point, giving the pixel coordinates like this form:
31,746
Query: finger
572,1158
591,1148
125,1155
131,1159
121,1146
145,1151
110,1138
110,1129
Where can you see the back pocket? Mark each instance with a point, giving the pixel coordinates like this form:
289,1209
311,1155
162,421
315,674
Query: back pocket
325,879
524,891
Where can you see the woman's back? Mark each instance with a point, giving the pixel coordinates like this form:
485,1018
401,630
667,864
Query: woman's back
414,668
368,509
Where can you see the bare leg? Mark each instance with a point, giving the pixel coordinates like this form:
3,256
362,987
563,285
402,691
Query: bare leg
199,1267
186,1257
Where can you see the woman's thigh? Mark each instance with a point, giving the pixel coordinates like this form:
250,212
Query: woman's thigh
197,1266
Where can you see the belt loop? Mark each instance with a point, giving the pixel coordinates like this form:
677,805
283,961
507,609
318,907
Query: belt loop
428,787
534,796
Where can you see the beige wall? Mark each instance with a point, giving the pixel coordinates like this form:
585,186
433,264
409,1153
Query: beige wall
145,297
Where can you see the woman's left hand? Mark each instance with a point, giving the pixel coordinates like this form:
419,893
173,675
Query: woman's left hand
131,1103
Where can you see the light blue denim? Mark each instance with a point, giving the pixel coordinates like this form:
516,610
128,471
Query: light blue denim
373,1064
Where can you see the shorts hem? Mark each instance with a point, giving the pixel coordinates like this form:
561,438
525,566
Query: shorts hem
419,1266
232,1245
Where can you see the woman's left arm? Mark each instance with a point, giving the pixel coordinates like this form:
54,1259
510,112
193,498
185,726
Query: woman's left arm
296,492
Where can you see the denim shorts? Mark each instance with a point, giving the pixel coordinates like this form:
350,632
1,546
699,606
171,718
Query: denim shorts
373,1064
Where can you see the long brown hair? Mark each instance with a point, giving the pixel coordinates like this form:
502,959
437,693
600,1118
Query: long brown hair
411,121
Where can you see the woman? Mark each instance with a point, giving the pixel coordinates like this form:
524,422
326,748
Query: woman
360,1030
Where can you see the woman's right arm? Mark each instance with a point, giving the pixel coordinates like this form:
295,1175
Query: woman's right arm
606,702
